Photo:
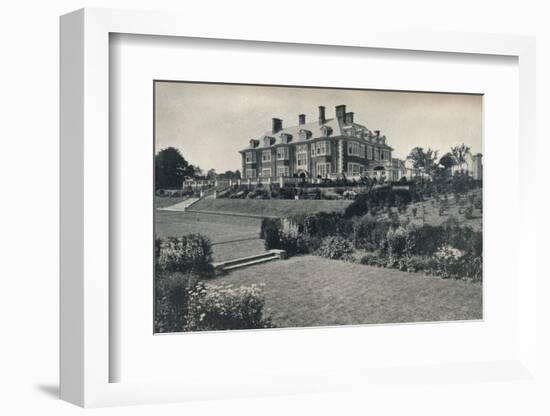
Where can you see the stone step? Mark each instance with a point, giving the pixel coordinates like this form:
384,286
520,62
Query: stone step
250,263
250,260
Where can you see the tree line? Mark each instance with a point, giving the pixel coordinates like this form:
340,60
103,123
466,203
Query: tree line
171,169
428,159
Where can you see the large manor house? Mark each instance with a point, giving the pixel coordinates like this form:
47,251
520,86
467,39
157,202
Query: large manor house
324,148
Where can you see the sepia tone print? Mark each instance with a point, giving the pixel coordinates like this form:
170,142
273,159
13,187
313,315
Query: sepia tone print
280,207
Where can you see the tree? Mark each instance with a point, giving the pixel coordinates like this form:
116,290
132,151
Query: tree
447,160
459,152
197,172
423,159
170,169
211,174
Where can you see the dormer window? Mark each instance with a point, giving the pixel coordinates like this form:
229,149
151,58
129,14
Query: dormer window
286,138
351,131
327,131
304,134
268,141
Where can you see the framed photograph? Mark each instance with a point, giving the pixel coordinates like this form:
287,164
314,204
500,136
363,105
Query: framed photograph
239,220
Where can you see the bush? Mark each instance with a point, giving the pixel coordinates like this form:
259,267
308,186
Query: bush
336,247
425,239
478,203
370,233
463,238
269,231
222,307
360,206
191,253
469,212
373,259
397,241
171,299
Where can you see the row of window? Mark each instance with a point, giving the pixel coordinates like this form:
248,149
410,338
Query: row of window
321,169
321,148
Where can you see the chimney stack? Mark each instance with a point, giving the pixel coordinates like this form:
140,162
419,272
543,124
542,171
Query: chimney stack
349,117
341,113
322,118
276,125
302,119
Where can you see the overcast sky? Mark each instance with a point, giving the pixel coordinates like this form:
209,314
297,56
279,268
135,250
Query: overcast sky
209,123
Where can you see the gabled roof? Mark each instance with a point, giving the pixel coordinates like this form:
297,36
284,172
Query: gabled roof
317,130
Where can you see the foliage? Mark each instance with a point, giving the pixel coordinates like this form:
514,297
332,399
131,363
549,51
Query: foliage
269,231
423,159
447,160
191,253
370,233
184,303
336,247
459,152
397,239
171,168
222,307
171,299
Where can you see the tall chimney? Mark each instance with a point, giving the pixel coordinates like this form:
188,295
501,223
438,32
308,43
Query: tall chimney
302,119
322,118
341,113
276,125
349,117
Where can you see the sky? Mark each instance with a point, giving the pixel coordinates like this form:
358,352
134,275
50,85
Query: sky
209,123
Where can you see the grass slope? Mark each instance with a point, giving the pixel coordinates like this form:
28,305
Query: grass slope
428,213
271,207
312,291
231,237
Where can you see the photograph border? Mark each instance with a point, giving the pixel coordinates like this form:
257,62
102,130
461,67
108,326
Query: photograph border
316,87
84,200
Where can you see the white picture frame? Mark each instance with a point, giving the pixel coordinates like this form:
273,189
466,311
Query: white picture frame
85,217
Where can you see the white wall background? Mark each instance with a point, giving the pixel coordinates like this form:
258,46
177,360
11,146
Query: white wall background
29,195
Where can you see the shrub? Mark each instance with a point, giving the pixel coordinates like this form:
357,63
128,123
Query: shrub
370,233
269,231
223,307
414,210
397,241
373,259
336,247
323,224
191,253
171,299
469,212
463,238
450,262
478,203
360,206
425,239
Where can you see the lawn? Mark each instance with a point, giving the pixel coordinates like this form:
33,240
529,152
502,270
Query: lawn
231,237
269,207
166,201
313,291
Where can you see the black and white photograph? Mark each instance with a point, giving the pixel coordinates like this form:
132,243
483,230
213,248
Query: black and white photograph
286,206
